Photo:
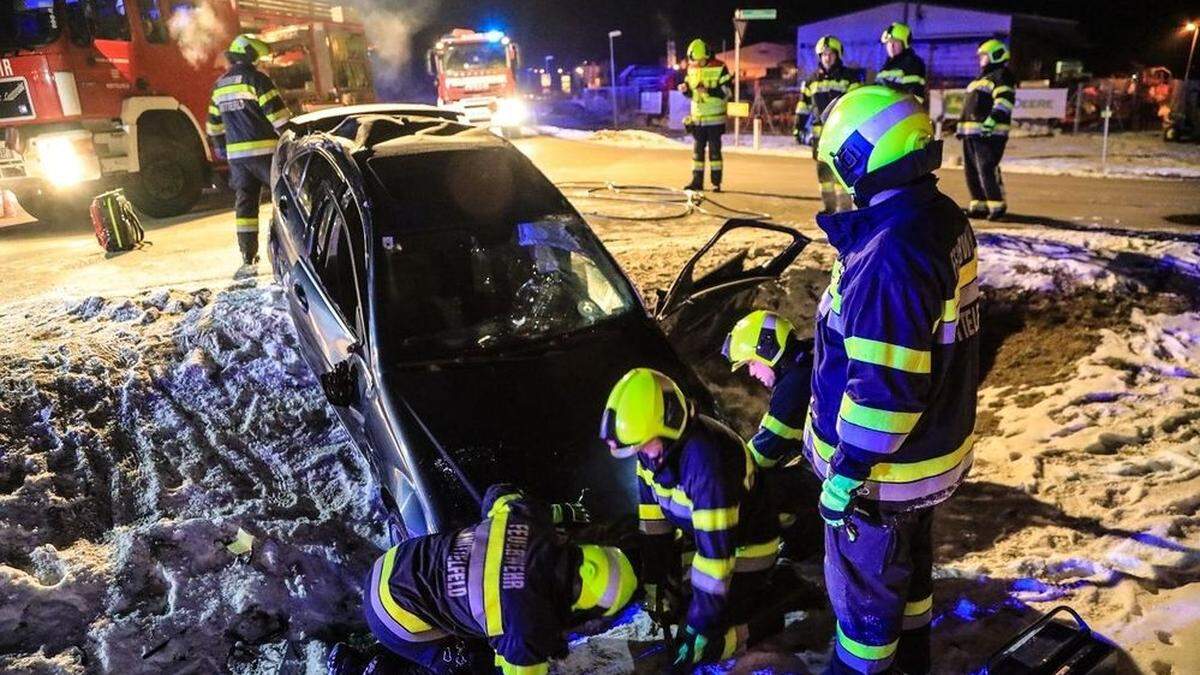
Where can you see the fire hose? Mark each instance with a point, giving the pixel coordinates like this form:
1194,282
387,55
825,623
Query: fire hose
671,203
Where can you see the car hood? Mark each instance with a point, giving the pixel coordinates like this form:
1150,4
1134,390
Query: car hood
532,419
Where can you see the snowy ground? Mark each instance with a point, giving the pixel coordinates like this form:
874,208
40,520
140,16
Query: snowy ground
1130,155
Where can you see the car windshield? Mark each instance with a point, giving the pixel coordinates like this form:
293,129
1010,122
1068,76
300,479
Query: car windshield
476,250
25,24
476,56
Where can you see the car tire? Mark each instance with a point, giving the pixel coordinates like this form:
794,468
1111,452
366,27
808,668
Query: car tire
171,176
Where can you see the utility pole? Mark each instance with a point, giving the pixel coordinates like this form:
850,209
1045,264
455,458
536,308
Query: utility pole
1191,26
740,19
612,65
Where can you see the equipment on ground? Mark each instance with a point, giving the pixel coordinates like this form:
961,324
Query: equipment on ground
116,225
476,75
113,93
1054,647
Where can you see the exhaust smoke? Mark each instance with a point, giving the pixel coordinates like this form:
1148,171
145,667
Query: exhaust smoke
198,32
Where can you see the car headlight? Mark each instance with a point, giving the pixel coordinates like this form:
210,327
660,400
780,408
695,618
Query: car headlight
510,112
68,159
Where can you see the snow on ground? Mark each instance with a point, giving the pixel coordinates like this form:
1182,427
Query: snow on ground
1130,155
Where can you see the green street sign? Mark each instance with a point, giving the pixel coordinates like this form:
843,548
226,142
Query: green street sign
754,15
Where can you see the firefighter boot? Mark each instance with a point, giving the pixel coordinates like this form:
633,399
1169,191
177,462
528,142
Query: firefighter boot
697,181
715,175
248,245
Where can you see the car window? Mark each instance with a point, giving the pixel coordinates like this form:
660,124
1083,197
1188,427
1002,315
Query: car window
319,180
104,19
295,170
333,261
154,25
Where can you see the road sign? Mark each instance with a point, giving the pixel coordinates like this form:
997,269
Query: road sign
754,14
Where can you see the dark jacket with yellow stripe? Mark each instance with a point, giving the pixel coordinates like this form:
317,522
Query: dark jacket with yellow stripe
246,113
779,435
705,486
709,87
507,580
989,103
821,90
904,72
896,357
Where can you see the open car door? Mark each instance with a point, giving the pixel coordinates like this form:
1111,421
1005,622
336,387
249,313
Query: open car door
706,289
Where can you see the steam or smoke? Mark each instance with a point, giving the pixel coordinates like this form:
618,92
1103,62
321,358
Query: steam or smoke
198,32
390,29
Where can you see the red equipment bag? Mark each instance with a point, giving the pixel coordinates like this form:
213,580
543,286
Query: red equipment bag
117,227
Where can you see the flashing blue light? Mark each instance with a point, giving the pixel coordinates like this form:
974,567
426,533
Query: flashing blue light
494,35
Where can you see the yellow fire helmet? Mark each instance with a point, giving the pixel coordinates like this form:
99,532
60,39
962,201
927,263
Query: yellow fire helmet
607,579
996,51
644,404
831,44
759,336
249,46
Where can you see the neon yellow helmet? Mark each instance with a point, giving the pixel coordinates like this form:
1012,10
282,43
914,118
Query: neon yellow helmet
996,51
829,43
875,138
643,405
248,46
759,336
697,50
607,579
897,31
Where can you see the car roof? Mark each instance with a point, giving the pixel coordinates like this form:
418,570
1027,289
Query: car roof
385,135
344,111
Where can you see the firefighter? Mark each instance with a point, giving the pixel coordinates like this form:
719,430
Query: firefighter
903,71
983,128
708,85
696,475
896,375
510,582
832,79
245,117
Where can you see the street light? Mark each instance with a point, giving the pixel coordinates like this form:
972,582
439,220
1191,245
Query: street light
1192,28
612,65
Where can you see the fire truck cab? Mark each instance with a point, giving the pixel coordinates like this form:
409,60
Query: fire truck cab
96,94
476,76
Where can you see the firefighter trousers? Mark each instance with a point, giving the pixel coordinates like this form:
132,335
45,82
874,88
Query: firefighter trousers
981,161
881,590
248,177
707,137
832,195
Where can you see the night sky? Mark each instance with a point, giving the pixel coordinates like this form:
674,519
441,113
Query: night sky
1121,32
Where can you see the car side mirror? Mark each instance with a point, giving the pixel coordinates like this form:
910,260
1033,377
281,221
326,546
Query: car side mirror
341,384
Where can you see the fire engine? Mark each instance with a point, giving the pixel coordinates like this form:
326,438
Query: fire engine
102,93
476,75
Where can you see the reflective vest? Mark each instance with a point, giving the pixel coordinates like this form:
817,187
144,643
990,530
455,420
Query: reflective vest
245,113
780,432
708,106
989,103
821,90
904,72
896,354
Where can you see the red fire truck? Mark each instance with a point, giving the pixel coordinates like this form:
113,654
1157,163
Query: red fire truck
476,75
102,93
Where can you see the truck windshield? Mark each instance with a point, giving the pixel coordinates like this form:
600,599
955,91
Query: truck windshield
477,251
476,56
25,24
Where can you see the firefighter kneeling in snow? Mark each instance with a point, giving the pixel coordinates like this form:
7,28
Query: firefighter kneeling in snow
983,128
896,376
509,582
245,117
696,475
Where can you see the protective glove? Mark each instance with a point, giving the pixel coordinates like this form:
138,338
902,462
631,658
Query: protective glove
988,126
837,494
570,513
692,649
664,602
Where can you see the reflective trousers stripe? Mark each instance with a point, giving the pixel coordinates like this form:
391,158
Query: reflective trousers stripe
246,225
397,620
863,657
918,613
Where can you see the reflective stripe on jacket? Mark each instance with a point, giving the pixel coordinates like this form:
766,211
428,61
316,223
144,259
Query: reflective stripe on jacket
506,579
896,356
245,113
706,487
780,433
904,72
708,106
989,103
821,90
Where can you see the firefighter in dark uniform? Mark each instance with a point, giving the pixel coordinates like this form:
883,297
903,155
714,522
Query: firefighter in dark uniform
983,128
510,582
695,475
832,79
245,118
709,86
895,380
903,71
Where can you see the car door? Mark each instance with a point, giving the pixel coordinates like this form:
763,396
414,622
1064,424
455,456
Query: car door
709,286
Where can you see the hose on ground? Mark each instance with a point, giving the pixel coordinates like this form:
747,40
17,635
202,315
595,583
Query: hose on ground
673,203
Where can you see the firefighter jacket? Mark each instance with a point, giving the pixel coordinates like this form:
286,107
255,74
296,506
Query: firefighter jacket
705,486
819,93
989,103
780,433
904,72
245,114
709,87
507,580
896,354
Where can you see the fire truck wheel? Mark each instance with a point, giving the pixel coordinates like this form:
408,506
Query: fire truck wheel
50,209
171,177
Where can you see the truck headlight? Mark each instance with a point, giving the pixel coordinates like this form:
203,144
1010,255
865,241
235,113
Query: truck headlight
510,112
67,159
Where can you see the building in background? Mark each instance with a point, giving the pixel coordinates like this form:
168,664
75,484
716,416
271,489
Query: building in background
946,37
758,58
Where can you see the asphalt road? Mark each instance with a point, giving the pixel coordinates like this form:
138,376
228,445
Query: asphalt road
63,260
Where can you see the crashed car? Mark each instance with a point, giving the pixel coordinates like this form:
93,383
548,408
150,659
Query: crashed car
462,318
